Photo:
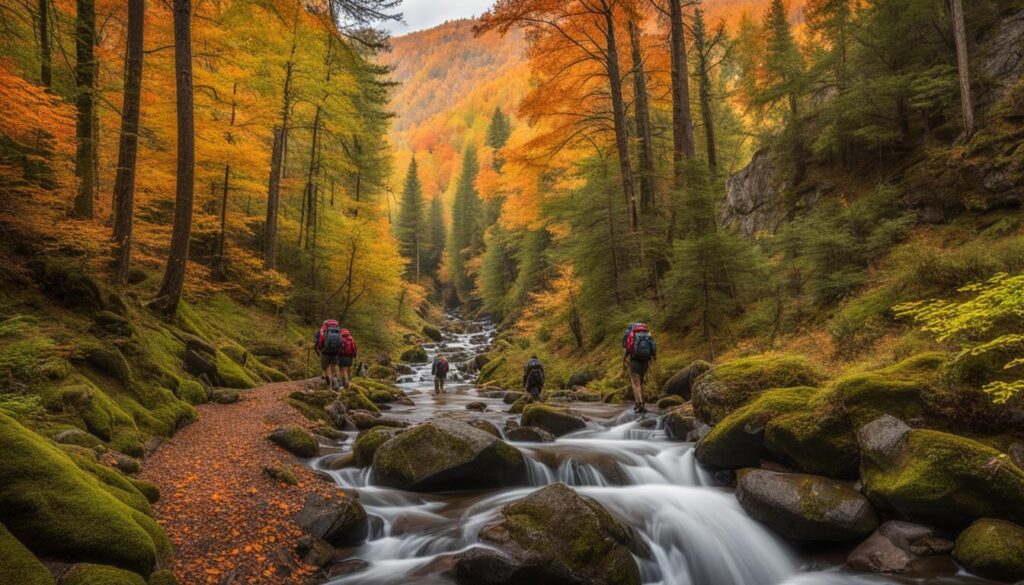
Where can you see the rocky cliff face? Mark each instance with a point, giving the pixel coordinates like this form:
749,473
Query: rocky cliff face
1001,58
758,198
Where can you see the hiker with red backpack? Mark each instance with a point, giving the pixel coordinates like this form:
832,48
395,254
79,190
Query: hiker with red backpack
439,369
639,351
347,357
327,343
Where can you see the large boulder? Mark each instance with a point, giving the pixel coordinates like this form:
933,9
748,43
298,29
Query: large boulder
817,439
680,424
805,508
557,537
681,383
937,477
447,454
910,391
530,435
414,355
296,441
341,521
917,539
18,564
878,554
557,421
738,440
729,386
993,549
369,441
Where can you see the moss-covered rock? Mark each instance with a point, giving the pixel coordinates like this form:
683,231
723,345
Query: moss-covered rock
938,477
432,333
192,392
557,421
816,439
368,443
805,508
18,566
231,374
489,372
59,511
520,404
341,521
447,454
353,399
738,440
904,390
414,355
378,372
670,401
89,574
993,549
555,535
681,383
164,577
295,440
680,424
730,385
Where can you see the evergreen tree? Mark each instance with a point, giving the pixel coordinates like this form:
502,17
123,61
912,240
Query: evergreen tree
497,136
498,272
409,227
467,231
437,235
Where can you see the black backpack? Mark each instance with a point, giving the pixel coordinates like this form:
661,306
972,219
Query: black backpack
643,346
332,341
534,373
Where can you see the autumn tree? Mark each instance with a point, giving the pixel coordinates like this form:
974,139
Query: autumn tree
124,182
85,101
45,58
169,295
684,146
409,229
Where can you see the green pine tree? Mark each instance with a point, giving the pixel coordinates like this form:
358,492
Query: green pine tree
467,229
497,136
409,227
437,235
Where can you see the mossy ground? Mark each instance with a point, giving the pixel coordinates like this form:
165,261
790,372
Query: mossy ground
18,565
88,574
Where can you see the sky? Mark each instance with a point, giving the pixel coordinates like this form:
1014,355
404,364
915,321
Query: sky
421,14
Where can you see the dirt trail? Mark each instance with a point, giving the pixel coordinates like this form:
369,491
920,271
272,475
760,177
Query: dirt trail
229,522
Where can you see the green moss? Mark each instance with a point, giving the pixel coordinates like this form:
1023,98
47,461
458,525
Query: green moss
18,566
379,372
353,399
993,549
670,402
163,577
488,372
295,440
905,390
266,372
817,439
231,374
368,443
414,355
96,413
87,574
147,489
730,385
945,479
115,483
738,440
59,511
557,421
192,392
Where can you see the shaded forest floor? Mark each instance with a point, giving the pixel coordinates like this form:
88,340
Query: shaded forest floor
229,522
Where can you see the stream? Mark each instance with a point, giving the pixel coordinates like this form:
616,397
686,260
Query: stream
698,533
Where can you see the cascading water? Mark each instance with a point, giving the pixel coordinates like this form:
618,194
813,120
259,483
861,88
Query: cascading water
697,533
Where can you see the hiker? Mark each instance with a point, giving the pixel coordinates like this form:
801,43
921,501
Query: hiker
327,343
533,377
347,356
439,369
639,350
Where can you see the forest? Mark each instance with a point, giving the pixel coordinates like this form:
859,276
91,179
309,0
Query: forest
814,206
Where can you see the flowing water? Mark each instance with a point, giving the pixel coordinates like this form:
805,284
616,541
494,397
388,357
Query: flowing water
697,532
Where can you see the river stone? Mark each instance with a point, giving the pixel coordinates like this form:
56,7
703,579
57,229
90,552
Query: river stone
916,539
557,421
878,554
681,383
338,414
555,536
368,443
738,439
727,387
530,435
511,397
476,406
938,477
446,454
993,549
340,521
805,508
486,426
296,441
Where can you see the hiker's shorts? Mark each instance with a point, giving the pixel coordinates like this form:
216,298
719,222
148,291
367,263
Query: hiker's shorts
327,361
345,362
639,368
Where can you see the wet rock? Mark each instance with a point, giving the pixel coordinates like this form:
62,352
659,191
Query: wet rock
314,551
432,333
338,461
364,421
519,405
476,406
447,454
668,402
581,378
530,435
878,554
557,421
338,415
805,508
414,355
368,443
496,394
993,549
486,426
296,441
347,567
512,397
404,369
198,365
916,539
340,521
937,477
727,387
554,536
681,383
679,424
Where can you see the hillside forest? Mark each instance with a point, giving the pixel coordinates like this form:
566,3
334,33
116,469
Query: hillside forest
814,205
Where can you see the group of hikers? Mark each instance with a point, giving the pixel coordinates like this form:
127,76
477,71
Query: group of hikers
337,350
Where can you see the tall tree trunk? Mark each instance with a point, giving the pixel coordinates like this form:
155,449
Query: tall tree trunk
643,122
273,202
85,73
963,65
619,115
704,78
309,191
682,119
45,60
124,182
221,264
171,288
276,160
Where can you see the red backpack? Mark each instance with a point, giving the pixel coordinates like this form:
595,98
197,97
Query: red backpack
631,336
348,344
331,327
